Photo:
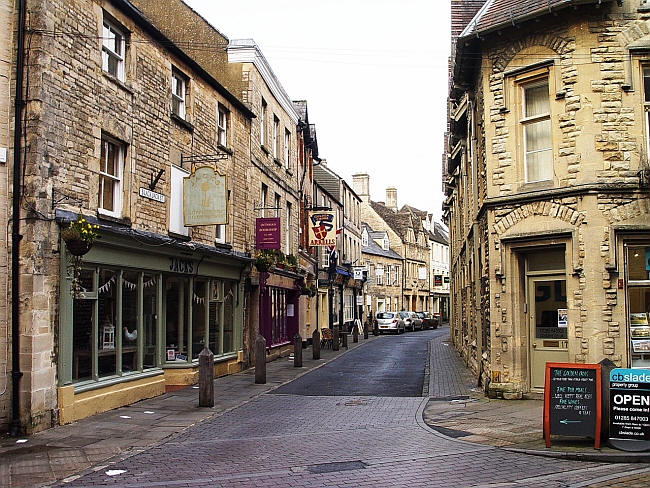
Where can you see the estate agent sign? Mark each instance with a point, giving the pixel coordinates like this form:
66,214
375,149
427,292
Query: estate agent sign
629,409
322,231
204,198
572,401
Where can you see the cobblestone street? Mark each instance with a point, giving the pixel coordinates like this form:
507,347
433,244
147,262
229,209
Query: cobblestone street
313,438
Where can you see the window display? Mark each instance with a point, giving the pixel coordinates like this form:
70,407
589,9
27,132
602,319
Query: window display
638,293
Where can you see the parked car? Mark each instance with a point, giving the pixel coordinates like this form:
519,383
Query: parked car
411,320
390,322
428,320
437,320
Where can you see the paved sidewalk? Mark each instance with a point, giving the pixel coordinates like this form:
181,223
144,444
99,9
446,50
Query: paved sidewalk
60,452
459,409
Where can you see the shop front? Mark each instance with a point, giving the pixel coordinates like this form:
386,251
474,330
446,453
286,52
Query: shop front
637,272
144,308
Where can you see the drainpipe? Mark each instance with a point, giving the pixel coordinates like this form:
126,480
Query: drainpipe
16,374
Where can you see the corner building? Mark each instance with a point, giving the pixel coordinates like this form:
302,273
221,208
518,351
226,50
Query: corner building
547,187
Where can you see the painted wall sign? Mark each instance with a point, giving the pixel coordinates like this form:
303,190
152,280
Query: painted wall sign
267,233
152,195
629,409
572,401
204,198
322,228
185,266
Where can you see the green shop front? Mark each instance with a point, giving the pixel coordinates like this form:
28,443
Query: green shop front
145,307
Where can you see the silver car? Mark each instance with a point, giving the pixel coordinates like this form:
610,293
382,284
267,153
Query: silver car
389,322
411,320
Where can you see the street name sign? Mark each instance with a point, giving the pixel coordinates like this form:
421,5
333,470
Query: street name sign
629,409
572,401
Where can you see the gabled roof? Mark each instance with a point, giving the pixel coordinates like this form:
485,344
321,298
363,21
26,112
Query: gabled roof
328,179
439,234
497,14
373,248
399,222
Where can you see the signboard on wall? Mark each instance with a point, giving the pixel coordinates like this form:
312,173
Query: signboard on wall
322,228
437,280
572,401
422,273
204,198
267,233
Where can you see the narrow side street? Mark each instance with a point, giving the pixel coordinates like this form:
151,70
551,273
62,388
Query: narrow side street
306,434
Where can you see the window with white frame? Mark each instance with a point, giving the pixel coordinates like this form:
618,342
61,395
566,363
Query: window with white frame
348,309
388,273
287,147
276,125
276,204
176,201
646,102
111,166
179,83
220,234
536,132
385,244
379,274
364,239
263,123
113,44
222,126
396,276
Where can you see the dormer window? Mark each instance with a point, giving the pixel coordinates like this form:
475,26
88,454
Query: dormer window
364,238
385,244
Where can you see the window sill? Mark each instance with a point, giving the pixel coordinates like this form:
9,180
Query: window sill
289,172
182,122
537,185
180,237
102,215
224,149
89,385
222,245
265,149
277,161
118,82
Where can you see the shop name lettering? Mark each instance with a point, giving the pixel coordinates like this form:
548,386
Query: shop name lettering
177,265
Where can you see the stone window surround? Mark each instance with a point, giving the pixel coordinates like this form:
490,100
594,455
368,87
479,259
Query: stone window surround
223,116
180,98
526,121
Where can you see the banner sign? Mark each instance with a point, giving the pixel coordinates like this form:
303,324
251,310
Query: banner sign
629,409
322,228
267,233
204,198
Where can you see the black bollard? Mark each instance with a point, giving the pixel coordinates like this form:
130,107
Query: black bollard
375,329
355,332
345,337
315,344
335,338
260,360
206,378
365,330
297,351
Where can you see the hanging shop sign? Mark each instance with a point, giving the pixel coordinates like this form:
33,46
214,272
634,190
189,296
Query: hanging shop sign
267,233
629,409
445,280
358,272
322,228
204,197
437,280
572,401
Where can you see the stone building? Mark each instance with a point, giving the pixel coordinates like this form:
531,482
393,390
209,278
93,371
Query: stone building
384,267
547,187
407,237
439,269
123,103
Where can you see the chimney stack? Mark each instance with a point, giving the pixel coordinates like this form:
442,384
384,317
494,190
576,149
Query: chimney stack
391,198
361,186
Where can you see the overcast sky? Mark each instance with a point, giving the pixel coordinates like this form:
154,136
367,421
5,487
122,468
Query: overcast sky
374,74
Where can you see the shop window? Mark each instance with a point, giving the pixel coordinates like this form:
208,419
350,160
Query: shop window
176,316
199,317
228,317
222,316
150,321
638,294
278,315
113,309
129,321
348,309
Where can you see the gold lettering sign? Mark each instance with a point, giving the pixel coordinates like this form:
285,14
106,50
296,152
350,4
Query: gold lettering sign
205,198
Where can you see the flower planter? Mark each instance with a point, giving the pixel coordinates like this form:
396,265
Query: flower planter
78,247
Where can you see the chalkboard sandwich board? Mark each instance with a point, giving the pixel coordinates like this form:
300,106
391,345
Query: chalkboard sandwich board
629,409
572,401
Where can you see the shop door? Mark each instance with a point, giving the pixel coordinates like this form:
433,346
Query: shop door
547,319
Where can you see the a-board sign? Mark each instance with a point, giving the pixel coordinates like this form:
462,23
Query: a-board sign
572,403
629,409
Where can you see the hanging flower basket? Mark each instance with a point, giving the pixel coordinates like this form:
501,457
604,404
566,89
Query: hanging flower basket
264,261
78,247
78,237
